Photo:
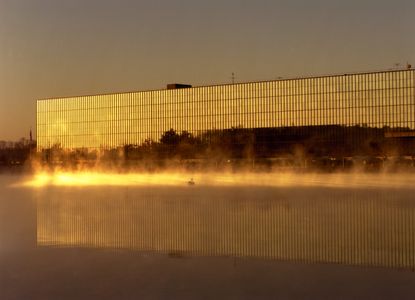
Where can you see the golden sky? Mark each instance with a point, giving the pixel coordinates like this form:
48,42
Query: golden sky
60,48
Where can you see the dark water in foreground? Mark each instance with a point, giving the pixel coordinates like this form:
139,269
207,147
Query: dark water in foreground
229,241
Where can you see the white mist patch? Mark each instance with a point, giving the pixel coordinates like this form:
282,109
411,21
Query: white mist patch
339,180
101,179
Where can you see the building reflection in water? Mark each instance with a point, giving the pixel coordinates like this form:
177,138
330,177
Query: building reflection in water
370,227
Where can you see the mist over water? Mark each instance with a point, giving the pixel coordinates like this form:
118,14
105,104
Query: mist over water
215,179
348,218
67,227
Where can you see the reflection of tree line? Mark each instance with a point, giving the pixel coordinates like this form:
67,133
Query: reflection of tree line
328,146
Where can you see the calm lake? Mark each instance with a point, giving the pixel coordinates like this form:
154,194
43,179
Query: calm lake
108,236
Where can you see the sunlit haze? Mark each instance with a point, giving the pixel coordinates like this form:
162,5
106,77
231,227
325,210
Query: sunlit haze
341,180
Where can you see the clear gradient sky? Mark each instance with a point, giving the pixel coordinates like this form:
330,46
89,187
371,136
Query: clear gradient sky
54,48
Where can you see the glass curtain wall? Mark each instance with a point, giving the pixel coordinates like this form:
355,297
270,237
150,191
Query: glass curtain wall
381,99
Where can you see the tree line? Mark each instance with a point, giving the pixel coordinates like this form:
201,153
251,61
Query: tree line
246,144
17,153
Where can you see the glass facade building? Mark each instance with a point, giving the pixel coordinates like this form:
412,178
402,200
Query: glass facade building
377,100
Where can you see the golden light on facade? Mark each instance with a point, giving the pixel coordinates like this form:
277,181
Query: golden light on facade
375,100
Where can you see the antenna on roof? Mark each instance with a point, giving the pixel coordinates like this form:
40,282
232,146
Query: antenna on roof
233,78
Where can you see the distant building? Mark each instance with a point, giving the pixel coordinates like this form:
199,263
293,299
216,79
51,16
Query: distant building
373,100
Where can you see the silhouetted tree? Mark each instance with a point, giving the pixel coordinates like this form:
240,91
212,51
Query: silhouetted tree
170,138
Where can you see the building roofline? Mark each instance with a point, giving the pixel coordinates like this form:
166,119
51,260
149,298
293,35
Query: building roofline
228,84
